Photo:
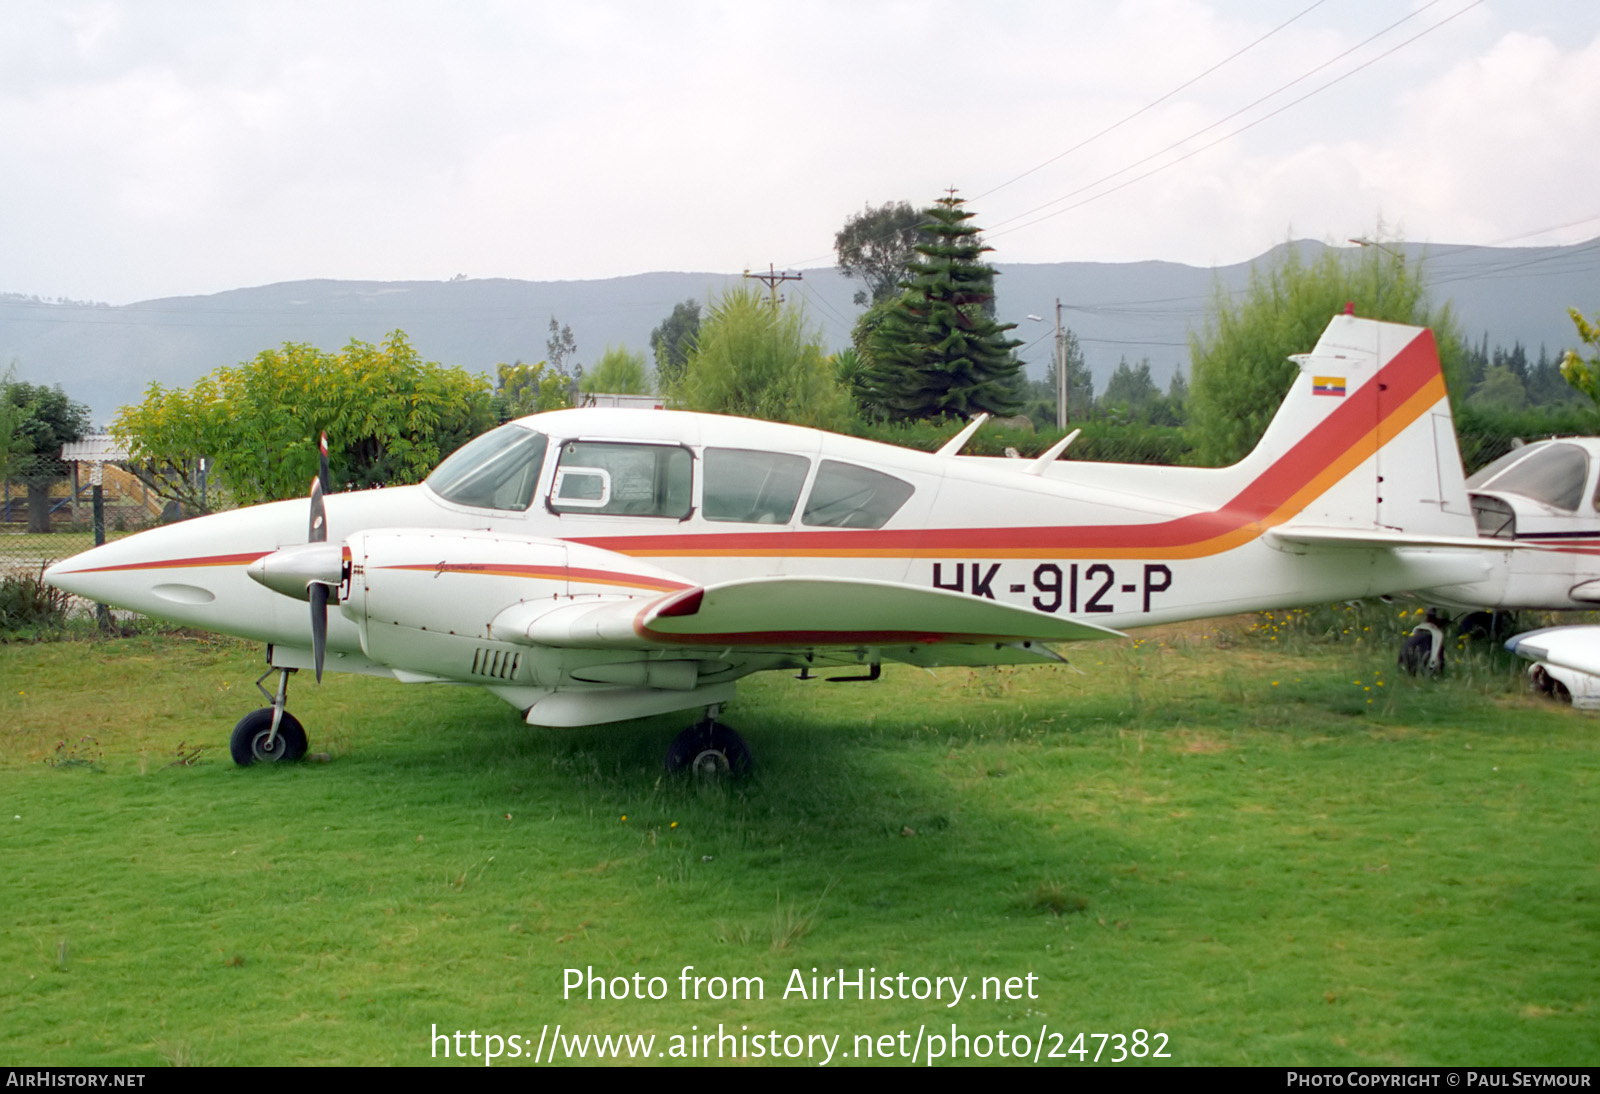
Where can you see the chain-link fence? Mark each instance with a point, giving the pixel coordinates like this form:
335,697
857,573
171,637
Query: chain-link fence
47,514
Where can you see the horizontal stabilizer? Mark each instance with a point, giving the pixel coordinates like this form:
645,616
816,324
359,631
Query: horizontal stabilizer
1380,537
1573,647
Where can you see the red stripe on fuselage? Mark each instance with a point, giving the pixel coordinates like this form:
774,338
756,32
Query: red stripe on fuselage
243,558
1370,407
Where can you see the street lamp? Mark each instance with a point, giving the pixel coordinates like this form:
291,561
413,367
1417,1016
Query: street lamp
1363,241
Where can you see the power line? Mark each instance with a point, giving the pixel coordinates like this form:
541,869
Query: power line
1130,117
1227,136
1153,103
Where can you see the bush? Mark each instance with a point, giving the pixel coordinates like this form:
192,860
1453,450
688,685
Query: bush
28,604
1487,434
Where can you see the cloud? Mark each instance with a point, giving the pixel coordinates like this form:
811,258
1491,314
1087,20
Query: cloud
174,148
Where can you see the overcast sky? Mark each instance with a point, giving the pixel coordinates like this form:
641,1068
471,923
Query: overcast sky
162,148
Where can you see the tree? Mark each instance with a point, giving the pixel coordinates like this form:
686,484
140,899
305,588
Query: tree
1501,389
528,389
672,340
1240,367
1131,391
1546,387
618,372
759,361
560,347
41,419
1177,398
1581,373
878,246
937,351
11,440
389,417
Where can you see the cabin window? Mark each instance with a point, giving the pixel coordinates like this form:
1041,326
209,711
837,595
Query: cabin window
1554,474
499,470
636,480
1494,517
752,487
847,496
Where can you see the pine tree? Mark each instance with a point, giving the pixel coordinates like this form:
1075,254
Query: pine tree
938,350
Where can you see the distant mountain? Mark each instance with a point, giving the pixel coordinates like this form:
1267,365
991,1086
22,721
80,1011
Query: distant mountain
106,356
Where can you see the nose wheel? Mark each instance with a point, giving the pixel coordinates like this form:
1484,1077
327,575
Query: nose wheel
270,734
254,742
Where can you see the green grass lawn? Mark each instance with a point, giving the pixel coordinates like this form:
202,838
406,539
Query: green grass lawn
1253,840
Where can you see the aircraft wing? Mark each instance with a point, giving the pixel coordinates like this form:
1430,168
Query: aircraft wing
790,614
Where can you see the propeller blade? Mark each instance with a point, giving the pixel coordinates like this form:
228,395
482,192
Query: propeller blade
318,531
319,626
317,592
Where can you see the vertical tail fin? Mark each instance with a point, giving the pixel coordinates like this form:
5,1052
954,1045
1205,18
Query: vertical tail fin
1370,413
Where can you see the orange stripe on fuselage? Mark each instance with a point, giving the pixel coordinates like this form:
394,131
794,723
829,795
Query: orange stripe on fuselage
1370,417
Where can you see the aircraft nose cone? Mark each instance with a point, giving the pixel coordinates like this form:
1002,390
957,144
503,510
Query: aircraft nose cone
289,571
58,576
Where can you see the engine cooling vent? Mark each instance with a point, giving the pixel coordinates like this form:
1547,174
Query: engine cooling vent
496,664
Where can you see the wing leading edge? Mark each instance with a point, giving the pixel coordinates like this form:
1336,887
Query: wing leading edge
788,614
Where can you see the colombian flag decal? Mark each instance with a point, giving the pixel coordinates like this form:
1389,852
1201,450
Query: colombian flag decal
1328,385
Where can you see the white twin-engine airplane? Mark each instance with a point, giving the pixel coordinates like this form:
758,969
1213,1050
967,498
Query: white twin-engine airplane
589,566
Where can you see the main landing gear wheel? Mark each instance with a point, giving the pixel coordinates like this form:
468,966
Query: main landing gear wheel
1541,681
1490,626
1423,652
250,743
709,748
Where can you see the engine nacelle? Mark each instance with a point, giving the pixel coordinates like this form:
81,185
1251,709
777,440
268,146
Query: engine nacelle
423,600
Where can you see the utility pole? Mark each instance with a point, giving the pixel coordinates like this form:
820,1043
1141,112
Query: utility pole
1063,388
771,279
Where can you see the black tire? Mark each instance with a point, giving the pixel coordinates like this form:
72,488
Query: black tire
709,748
249,741
1541,681
1493,626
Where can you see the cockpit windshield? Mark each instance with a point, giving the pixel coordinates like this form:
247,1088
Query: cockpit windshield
1550,473
499,470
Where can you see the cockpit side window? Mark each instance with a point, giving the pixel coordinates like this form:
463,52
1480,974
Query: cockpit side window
1555,475
499,470
640,480
752,487
847,496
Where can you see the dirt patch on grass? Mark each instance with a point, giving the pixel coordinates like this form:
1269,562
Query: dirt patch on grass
1200,744
1193,629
